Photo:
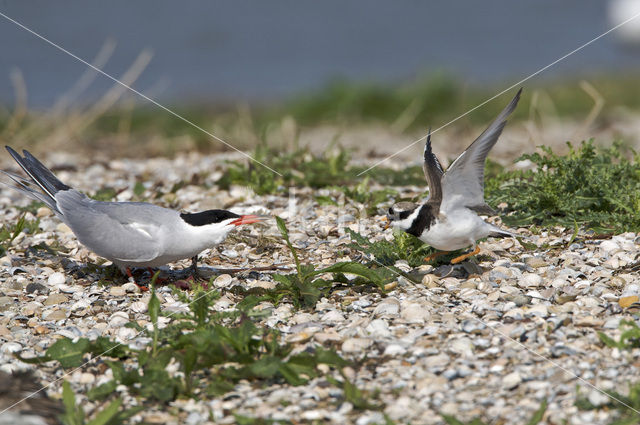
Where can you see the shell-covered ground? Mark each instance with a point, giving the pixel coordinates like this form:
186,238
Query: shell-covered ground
493,337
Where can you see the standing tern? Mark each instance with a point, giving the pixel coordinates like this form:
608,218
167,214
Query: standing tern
129,234
448,220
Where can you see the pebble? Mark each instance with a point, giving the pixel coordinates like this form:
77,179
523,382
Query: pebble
54,315
415,313
512,380
535,262
56,279
394,350
597,398
388,307
332,316
609,246
140,306
117,291
628,301
34,287
131,288
54,299
356,345
118,319
378,328
530,280
222,281
538,310
10,347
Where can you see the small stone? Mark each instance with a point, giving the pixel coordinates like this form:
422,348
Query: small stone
394,350
626,302
462,346
31,309
529,280
43,212
36,287
55,315
597,398
139,306
230,253
356,345
325,337
430,280
118,319
299,337
117,291
56,279
391,286
415,313
472,326
589,321
87,378
612,323
609,246
535,262
56,298
512,380
131,288
538,310
11,347
437,362
222,281
513,315
388,307
265,284
40,330
332,316
63,228
5,303
378,328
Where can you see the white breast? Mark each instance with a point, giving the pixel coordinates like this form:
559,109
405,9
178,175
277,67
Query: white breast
454,231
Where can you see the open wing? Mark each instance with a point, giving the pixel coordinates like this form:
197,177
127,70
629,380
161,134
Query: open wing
433,173
463,182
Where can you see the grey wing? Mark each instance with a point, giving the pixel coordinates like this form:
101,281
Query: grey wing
433,173
111,232
463,182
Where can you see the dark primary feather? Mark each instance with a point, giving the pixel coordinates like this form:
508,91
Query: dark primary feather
433,173
40,174
207,217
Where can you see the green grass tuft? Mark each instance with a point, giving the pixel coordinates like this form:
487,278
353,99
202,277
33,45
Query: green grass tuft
594,188
305,287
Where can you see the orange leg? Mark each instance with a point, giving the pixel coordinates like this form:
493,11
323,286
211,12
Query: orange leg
143,288
465,256
435,255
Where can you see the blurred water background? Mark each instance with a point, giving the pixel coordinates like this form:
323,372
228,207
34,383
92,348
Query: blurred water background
256,51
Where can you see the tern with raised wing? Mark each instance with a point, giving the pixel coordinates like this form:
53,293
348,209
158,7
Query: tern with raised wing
129,234
450,217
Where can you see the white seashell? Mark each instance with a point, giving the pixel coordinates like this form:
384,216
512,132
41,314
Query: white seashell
222,281
118,319
56,279
139,306
530,280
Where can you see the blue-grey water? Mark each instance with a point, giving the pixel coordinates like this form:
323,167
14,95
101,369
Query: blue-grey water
239,50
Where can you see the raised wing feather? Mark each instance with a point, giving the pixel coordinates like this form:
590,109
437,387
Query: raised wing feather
433,173
463,182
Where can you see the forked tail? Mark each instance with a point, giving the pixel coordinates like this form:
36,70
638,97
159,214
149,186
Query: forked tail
39,175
